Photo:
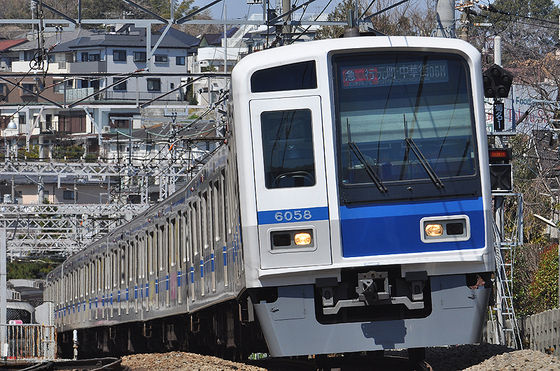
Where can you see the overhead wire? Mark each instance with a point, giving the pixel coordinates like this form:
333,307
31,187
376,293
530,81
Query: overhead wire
308,27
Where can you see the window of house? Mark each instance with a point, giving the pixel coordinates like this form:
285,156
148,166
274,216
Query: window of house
180,60
154,85
119,55
119,87
94,57
160,58
28,89
139,56
85,56
121,123
58,87
68,195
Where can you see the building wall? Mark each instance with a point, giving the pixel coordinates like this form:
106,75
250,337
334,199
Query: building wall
86,194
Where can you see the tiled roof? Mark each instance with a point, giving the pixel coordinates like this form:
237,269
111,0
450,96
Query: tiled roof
59,38
172,40
7,44
216,38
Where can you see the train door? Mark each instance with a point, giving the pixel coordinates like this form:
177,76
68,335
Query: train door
290,181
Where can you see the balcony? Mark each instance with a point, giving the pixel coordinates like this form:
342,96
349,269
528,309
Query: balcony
87,67
73,95
24,67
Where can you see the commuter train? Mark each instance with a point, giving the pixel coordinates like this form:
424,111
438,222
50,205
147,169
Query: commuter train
349,210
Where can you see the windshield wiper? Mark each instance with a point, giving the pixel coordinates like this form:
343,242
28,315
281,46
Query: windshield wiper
369,169
425,164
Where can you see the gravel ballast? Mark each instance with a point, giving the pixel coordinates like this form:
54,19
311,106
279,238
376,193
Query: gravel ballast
485,357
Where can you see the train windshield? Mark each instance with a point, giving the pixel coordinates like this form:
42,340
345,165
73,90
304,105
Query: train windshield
404,118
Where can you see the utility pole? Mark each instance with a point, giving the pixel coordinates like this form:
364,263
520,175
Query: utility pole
445,17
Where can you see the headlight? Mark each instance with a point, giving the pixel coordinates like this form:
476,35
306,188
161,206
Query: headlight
433,230
302,239
291,239
445,228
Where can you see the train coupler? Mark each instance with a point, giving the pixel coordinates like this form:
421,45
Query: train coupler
373,289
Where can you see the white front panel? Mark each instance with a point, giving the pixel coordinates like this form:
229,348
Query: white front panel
290,179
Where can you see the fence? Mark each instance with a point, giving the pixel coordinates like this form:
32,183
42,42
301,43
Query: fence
540,332
28,341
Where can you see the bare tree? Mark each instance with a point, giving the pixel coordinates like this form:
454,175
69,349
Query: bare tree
414,18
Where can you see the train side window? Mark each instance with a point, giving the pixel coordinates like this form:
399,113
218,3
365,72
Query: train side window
160,243
203,223
287,141
216,211
143,258
223,221
173,240
100,273
133,258
164,247
295,76
121,256
194,224
185,237
82,282
150,252
115,279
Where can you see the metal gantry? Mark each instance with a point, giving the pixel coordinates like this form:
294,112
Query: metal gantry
67,228
505,327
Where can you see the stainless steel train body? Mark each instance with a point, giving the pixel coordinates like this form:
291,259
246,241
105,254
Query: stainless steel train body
349,211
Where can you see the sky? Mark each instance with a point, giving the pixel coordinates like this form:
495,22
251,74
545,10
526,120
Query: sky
239,9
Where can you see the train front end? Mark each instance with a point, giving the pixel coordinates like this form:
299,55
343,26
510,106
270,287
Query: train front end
365,196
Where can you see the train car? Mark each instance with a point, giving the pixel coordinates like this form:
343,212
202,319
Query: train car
349,211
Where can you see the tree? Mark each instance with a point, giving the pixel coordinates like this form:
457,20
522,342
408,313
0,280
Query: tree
543,290
415,18
31,269
201,29
68,152
528,29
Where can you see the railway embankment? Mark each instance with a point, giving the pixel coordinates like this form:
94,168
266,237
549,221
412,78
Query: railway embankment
483,357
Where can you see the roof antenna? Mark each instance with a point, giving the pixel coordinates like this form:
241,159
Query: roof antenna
352,30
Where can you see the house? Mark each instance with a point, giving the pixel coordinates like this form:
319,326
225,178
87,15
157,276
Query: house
7,55
123,53
216,39
120,72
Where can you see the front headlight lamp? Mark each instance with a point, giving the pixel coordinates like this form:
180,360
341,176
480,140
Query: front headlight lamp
433,230
302,239
445,228
287,239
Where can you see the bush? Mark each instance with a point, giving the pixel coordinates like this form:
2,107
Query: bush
544,287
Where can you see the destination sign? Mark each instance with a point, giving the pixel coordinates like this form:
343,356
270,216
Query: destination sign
395,74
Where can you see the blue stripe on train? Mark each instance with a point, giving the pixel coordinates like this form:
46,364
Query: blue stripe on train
293,215
395,228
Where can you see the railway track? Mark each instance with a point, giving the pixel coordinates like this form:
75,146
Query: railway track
95,364
344,363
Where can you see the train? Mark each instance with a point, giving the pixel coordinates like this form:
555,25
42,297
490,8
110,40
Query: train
348,210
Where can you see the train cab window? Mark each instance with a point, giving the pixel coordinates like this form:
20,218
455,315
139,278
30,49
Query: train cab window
404,121
295,76
288,148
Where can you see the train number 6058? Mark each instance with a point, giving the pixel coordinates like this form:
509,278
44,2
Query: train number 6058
293,215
